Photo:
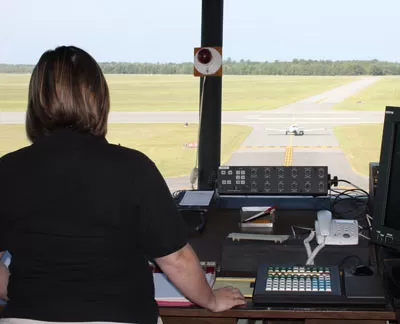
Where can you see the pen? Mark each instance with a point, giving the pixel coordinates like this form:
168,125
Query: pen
262,213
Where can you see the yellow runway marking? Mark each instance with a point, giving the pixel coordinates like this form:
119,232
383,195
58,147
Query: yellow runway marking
288,156
320,100
289,153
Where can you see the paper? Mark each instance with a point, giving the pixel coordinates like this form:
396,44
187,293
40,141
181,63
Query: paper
167,294
165,290
245,285
197,198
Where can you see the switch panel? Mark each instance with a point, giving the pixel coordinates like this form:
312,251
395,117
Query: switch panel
273,180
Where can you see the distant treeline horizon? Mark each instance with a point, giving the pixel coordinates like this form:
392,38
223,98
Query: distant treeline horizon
245,67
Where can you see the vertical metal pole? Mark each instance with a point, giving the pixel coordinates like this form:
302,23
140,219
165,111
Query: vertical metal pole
210,127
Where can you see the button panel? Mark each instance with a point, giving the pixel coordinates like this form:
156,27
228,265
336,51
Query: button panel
299,279
310,180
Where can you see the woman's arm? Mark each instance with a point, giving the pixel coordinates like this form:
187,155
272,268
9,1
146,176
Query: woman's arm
184,270
4,276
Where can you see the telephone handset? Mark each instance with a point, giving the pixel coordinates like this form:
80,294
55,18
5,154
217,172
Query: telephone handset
335,231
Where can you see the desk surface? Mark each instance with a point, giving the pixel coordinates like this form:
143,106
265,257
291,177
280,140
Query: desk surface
220,222
301,313
209,246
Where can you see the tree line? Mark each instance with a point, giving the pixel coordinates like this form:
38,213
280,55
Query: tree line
245,67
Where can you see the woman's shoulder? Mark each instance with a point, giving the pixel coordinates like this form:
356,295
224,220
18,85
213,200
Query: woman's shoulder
11,157
13,161
123,152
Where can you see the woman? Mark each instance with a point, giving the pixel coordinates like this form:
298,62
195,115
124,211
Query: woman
82,217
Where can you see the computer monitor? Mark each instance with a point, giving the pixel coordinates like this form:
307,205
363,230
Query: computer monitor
386,221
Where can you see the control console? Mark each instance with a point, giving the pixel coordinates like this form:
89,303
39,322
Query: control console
273,180
296,284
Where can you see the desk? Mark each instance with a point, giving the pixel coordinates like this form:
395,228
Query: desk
180,315
209,245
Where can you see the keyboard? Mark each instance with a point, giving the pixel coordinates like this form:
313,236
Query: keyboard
296,283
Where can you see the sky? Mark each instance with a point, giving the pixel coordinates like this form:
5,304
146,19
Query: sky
168,30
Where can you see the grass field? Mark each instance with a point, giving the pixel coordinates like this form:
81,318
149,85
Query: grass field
361,144
181,92
163,143
385,92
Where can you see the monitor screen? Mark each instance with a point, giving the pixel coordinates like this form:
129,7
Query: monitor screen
386,221
392,214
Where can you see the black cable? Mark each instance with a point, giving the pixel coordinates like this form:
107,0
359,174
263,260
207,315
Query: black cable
351,197
351,204
346,181
340,192
360,261
177,194
357,189
350,183
203,221
354,211
200,227
358,201
348,195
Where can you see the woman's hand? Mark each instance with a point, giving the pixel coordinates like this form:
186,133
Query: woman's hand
4,276
226,298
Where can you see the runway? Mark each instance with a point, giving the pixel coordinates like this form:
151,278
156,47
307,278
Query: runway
268,147
318,145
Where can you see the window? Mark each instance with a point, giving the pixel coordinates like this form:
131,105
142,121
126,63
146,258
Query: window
308,83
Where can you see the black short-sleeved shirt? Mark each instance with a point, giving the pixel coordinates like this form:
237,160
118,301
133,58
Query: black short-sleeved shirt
81,218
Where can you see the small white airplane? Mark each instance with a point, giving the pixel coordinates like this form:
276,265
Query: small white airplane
295,129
